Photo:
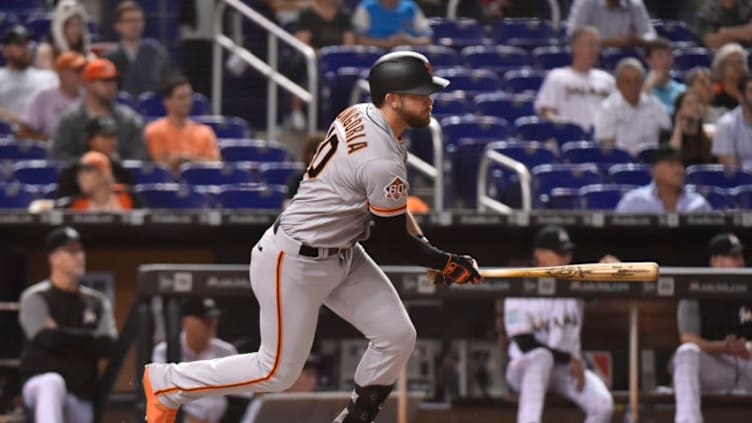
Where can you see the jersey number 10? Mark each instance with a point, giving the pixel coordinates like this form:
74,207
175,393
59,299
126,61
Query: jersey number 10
324,153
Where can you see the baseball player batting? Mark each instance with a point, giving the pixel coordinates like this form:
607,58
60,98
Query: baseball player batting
311,256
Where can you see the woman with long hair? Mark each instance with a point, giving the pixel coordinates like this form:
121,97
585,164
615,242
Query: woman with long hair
68,31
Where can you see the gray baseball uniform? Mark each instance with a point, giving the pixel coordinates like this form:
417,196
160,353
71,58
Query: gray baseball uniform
555,323
696,371
358,170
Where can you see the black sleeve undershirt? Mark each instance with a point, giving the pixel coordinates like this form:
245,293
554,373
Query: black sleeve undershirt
527,342
407,246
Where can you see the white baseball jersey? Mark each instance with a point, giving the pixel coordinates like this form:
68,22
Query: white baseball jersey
554,322
365,173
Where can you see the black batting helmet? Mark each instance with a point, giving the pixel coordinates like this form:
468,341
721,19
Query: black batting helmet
403,72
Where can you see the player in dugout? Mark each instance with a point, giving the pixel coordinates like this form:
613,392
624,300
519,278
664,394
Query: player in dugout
715,352
544,351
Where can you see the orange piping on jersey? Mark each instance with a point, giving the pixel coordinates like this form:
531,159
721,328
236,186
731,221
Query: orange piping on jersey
278,352
380,210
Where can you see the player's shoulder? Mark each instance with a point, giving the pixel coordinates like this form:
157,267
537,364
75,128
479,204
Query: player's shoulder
364,132
37,288
93,293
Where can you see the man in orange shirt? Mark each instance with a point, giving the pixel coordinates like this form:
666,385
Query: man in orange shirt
175,139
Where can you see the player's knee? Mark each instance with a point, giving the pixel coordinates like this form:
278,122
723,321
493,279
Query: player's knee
400,337
53,383
285,378
542,357
602,409
686,351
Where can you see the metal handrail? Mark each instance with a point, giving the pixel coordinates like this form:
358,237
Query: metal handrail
9,306
270,69
484,201
434,171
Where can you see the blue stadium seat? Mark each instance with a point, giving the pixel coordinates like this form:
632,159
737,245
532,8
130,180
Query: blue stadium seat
676,31
630,174
602,196
124,98
252,150
646,153
506,106
336,91
226,126
22,150
279,173
742,197
717,175
610,57
7,20
148,172
35,172
450,104
589,152
5,128
173,196
551,57
334,57
457,33
546,177
499,59
529,153
471,126
688,58
537,129
471,81
150,104
439,56
524,81
16,196
215,173
266,197
719,198
527,33
561,198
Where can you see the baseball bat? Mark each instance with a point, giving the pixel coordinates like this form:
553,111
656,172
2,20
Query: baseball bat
601,272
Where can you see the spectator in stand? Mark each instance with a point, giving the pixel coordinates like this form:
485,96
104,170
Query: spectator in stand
19,81
729,64
175,139
545,349
68,328
391,23
40,119
141,63
574,93
689,135
630,118
700,82
660,59
68,31
620,23
714,355
324,23
667,192
732,143
70,139
720,22
97,186
101,134
198,341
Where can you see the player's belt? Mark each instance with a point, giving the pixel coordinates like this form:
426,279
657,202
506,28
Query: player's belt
309,251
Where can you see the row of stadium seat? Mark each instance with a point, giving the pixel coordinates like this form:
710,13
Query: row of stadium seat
167,196
44,173
231,150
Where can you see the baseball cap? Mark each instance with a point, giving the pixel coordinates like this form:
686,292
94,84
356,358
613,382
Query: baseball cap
16,34
725,244
59,237
101,125
70,60
99,69
554,238
95,160
666,153
200,307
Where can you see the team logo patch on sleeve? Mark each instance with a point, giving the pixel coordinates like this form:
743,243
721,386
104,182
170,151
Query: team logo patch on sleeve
396,190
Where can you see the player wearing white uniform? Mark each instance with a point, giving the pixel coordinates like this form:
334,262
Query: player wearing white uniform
713,356
544,351
311,257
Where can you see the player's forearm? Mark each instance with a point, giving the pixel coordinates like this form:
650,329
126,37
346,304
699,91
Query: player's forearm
527,342
407,246
710,347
